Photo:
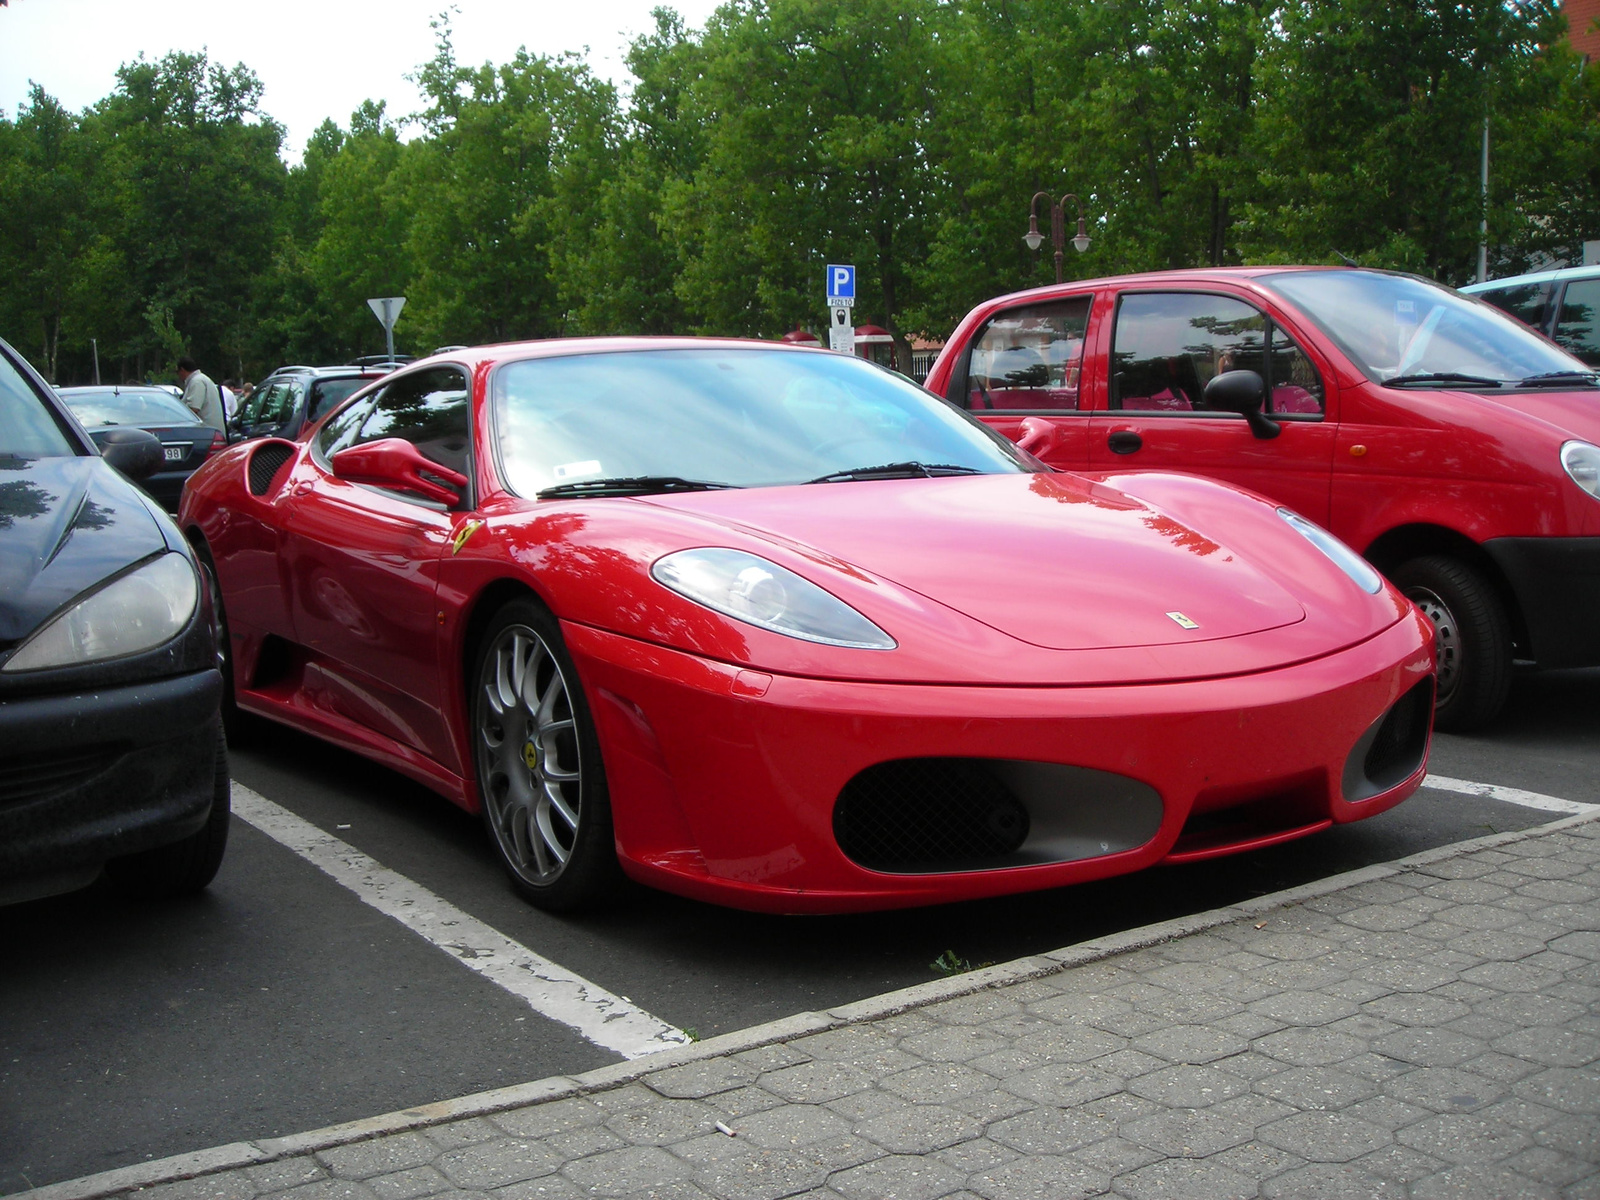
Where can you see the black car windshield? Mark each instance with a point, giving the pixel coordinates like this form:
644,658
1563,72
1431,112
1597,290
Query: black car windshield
1399,329
621,422
27,429
145,409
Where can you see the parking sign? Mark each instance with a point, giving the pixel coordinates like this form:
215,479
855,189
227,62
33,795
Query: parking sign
841,285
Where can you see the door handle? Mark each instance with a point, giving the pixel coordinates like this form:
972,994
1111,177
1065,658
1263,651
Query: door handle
1124,441
303,488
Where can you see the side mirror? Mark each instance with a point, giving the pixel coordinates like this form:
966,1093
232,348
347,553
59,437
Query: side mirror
136,453
397,464
1242,392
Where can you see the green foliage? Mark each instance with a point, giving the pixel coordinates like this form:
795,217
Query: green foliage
528,199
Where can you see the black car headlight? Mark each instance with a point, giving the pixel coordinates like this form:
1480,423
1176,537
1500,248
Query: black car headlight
137,611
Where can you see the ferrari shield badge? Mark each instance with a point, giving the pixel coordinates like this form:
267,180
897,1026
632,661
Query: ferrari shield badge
464,534
1183,621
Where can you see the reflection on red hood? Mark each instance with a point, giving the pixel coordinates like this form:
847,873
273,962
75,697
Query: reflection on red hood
1052,560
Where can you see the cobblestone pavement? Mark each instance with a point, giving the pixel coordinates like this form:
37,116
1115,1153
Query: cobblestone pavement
1429,1028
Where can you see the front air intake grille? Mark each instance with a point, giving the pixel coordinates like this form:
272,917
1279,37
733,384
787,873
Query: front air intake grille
30,776
1402,737
265,463
928,814
1394,748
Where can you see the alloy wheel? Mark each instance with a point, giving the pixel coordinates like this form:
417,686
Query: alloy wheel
528,755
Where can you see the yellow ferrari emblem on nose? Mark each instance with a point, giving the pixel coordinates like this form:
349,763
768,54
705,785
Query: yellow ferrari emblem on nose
1183,621
463,535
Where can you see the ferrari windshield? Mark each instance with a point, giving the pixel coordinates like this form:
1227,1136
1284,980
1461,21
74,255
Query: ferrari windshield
1404,331
679,419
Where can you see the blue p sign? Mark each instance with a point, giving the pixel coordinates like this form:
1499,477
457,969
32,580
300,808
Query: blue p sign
841,282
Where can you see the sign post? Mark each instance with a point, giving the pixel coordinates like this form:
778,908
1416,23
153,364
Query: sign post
387,310
841,287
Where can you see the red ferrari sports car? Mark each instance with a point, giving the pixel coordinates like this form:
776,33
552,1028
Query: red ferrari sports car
774,628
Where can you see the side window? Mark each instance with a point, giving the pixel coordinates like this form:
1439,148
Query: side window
428,409
328,394
1528,303
1167,346
1029,358
341,431
271,407
1293,385
1578,330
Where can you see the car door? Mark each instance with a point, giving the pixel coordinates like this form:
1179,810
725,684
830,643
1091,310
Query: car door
1165,346
1024,376
362,563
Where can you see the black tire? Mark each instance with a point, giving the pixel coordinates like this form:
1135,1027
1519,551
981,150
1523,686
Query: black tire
537,761
235,723
1474,638
183,867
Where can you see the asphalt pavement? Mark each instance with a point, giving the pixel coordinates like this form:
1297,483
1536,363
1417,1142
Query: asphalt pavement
1424,1028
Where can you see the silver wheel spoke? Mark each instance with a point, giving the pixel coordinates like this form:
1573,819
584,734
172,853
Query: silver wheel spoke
530,772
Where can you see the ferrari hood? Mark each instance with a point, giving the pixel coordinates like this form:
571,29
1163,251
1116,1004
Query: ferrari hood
65,524
1052,560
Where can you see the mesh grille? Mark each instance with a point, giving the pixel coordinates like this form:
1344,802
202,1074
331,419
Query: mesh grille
265,463
34,775
928,814
1397,749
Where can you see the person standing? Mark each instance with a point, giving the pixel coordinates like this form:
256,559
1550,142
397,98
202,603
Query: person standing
201,394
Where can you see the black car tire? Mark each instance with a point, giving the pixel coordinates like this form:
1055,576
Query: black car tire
187,866
1474,638
536,757
236,723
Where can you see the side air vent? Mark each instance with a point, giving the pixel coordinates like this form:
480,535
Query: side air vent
931,815
265,463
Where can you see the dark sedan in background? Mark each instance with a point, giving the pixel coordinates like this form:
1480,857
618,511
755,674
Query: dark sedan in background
289,400
111,748
185,441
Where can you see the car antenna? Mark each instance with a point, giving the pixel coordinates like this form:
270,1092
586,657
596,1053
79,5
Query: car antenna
1346,259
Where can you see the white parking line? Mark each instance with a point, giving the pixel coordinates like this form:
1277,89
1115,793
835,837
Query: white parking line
1510,795
548,988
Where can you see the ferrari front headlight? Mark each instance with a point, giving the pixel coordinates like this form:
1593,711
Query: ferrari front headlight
135,612
749,588
1346,559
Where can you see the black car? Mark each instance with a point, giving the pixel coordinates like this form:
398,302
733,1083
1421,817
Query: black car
111,747
291,398
186,442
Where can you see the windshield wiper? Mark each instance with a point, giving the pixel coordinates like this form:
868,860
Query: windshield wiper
897,470
1561,379
1442,377
632,485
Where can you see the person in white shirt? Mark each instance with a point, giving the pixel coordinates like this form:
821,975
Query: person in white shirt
202,396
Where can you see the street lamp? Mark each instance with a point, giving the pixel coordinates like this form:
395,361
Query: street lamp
1058,227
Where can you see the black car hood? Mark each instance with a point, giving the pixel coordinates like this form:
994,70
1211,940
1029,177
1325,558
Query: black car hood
65,524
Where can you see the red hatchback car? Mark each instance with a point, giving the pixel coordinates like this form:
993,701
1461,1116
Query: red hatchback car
775,628
1456,449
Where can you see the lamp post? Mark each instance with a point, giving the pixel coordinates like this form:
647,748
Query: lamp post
1058,227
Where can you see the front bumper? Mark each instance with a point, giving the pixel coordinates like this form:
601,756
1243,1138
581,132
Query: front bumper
725,782
89,776
1557,584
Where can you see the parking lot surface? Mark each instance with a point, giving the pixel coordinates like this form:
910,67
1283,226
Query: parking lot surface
283,1001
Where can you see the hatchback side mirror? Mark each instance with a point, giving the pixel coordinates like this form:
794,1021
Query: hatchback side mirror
397,464
135,452
1242,392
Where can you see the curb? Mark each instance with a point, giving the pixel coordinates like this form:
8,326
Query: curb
238,1155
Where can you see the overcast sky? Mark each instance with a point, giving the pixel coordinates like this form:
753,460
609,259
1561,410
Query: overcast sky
315,58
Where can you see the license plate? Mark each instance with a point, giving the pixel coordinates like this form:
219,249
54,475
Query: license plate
175,453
